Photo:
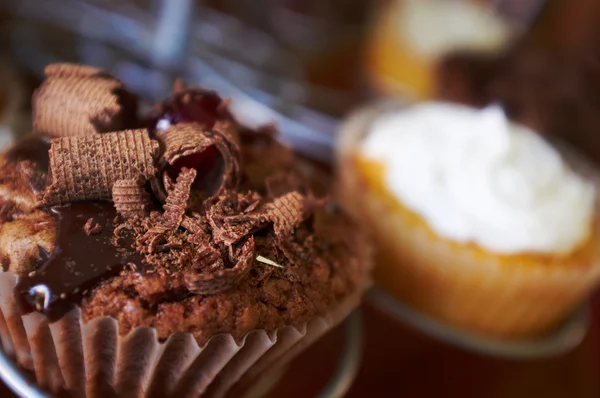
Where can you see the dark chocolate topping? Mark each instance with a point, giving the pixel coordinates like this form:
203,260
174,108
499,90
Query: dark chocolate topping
80,261
234,243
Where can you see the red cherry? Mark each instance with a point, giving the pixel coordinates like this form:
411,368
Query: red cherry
210,168
187,106
203,162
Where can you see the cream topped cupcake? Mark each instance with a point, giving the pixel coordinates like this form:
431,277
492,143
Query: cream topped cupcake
412,36
480,221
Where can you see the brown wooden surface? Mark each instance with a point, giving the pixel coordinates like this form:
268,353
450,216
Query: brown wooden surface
401,362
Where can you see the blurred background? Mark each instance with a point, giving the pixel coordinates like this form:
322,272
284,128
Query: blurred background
305,64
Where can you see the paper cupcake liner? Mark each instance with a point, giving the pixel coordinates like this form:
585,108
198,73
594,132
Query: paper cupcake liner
479,293
92,360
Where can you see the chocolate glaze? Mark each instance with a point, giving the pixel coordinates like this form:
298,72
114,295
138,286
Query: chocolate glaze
79,263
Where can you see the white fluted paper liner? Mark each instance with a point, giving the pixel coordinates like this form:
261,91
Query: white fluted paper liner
93,360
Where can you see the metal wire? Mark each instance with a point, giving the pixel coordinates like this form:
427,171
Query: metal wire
349,363
566,337
16,380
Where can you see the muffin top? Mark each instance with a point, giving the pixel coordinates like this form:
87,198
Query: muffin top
183,221
476,177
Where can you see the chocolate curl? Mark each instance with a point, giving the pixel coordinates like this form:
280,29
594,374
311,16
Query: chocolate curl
175,208
131,198
86,168
177,201
286,213
221,280
214,153
73,70
230,131
80,100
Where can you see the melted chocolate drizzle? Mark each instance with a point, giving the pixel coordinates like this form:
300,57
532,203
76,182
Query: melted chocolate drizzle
79,262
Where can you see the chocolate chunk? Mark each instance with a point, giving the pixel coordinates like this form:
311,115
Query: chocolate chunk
86,168
81,100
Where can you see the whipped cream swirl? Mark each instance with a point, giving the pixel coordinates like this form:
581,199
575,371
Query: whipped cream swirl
476,177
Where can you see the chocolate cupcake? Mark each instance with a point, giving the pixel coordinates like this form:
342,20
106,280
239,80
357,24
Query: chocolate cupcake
175,259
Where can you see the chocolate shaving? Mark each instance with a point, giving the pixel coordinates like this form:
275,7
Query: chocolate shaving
235,216
208,258
221,280
175,208
92,228
86,168
286,213
151,240
131,198
177,200
214,153
79,100
229,230
195,224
